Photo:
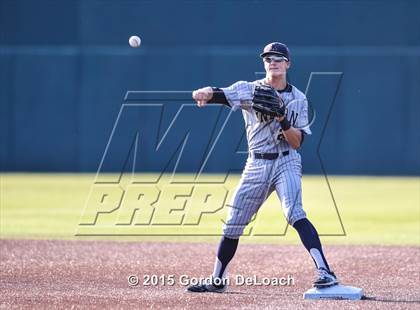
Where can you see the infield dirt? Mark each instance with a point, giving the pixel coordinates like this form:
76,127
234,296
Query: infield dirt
93,274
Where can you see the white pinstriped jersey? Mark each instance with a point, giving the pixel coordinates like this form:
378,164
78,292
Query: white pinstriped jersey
264,134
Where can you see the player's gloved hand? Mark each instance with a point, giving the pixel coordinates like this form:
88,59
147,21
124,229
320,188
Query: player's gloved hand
202,95
267,101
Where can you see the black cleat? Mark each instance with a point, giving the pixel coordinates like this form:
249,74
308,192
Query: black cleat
206,288
325,278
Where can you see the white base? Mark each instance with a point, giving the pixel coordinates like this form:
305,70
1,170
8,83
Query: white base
334,292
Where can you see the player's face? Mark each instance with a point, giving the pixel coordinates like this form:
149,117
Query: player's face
275,65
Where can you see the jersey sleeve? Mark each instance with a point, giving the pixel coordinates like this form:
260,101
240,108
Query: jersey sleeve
239,95
303,122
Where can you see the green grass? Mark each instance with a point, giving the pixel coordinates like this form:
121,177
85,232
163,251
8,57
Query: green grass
374,210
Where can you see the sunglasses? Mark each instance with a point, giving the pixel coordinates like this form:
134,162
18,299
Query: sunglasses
270,59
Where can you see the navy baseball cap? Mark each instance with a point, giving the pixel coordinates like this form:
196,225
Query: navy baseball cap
276,48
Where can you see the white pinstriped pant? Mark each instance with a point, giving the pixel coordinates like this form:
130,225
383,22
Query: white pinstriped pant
259,179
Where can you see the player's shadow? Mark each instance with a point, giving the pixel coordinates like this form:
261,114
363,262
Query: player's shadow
379,299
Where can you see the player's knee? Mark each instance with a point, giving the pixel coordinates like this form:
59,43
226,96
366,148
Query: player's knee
232,232
293,219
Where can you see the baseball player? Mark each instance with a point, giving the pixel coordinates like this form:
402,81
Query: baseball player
276,120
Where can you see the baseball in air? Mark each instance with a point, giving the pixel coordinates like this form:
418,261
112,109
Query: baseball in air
134,41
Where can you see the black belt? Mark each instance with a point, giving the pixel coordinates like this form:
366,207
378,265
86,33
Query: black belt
269,156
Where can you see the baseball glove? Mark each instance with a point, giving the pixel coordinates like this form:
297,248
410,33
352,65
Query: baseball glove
267,101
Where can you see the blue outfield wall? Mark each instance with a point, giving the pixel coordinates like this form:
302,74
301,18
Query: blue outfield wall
65,68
